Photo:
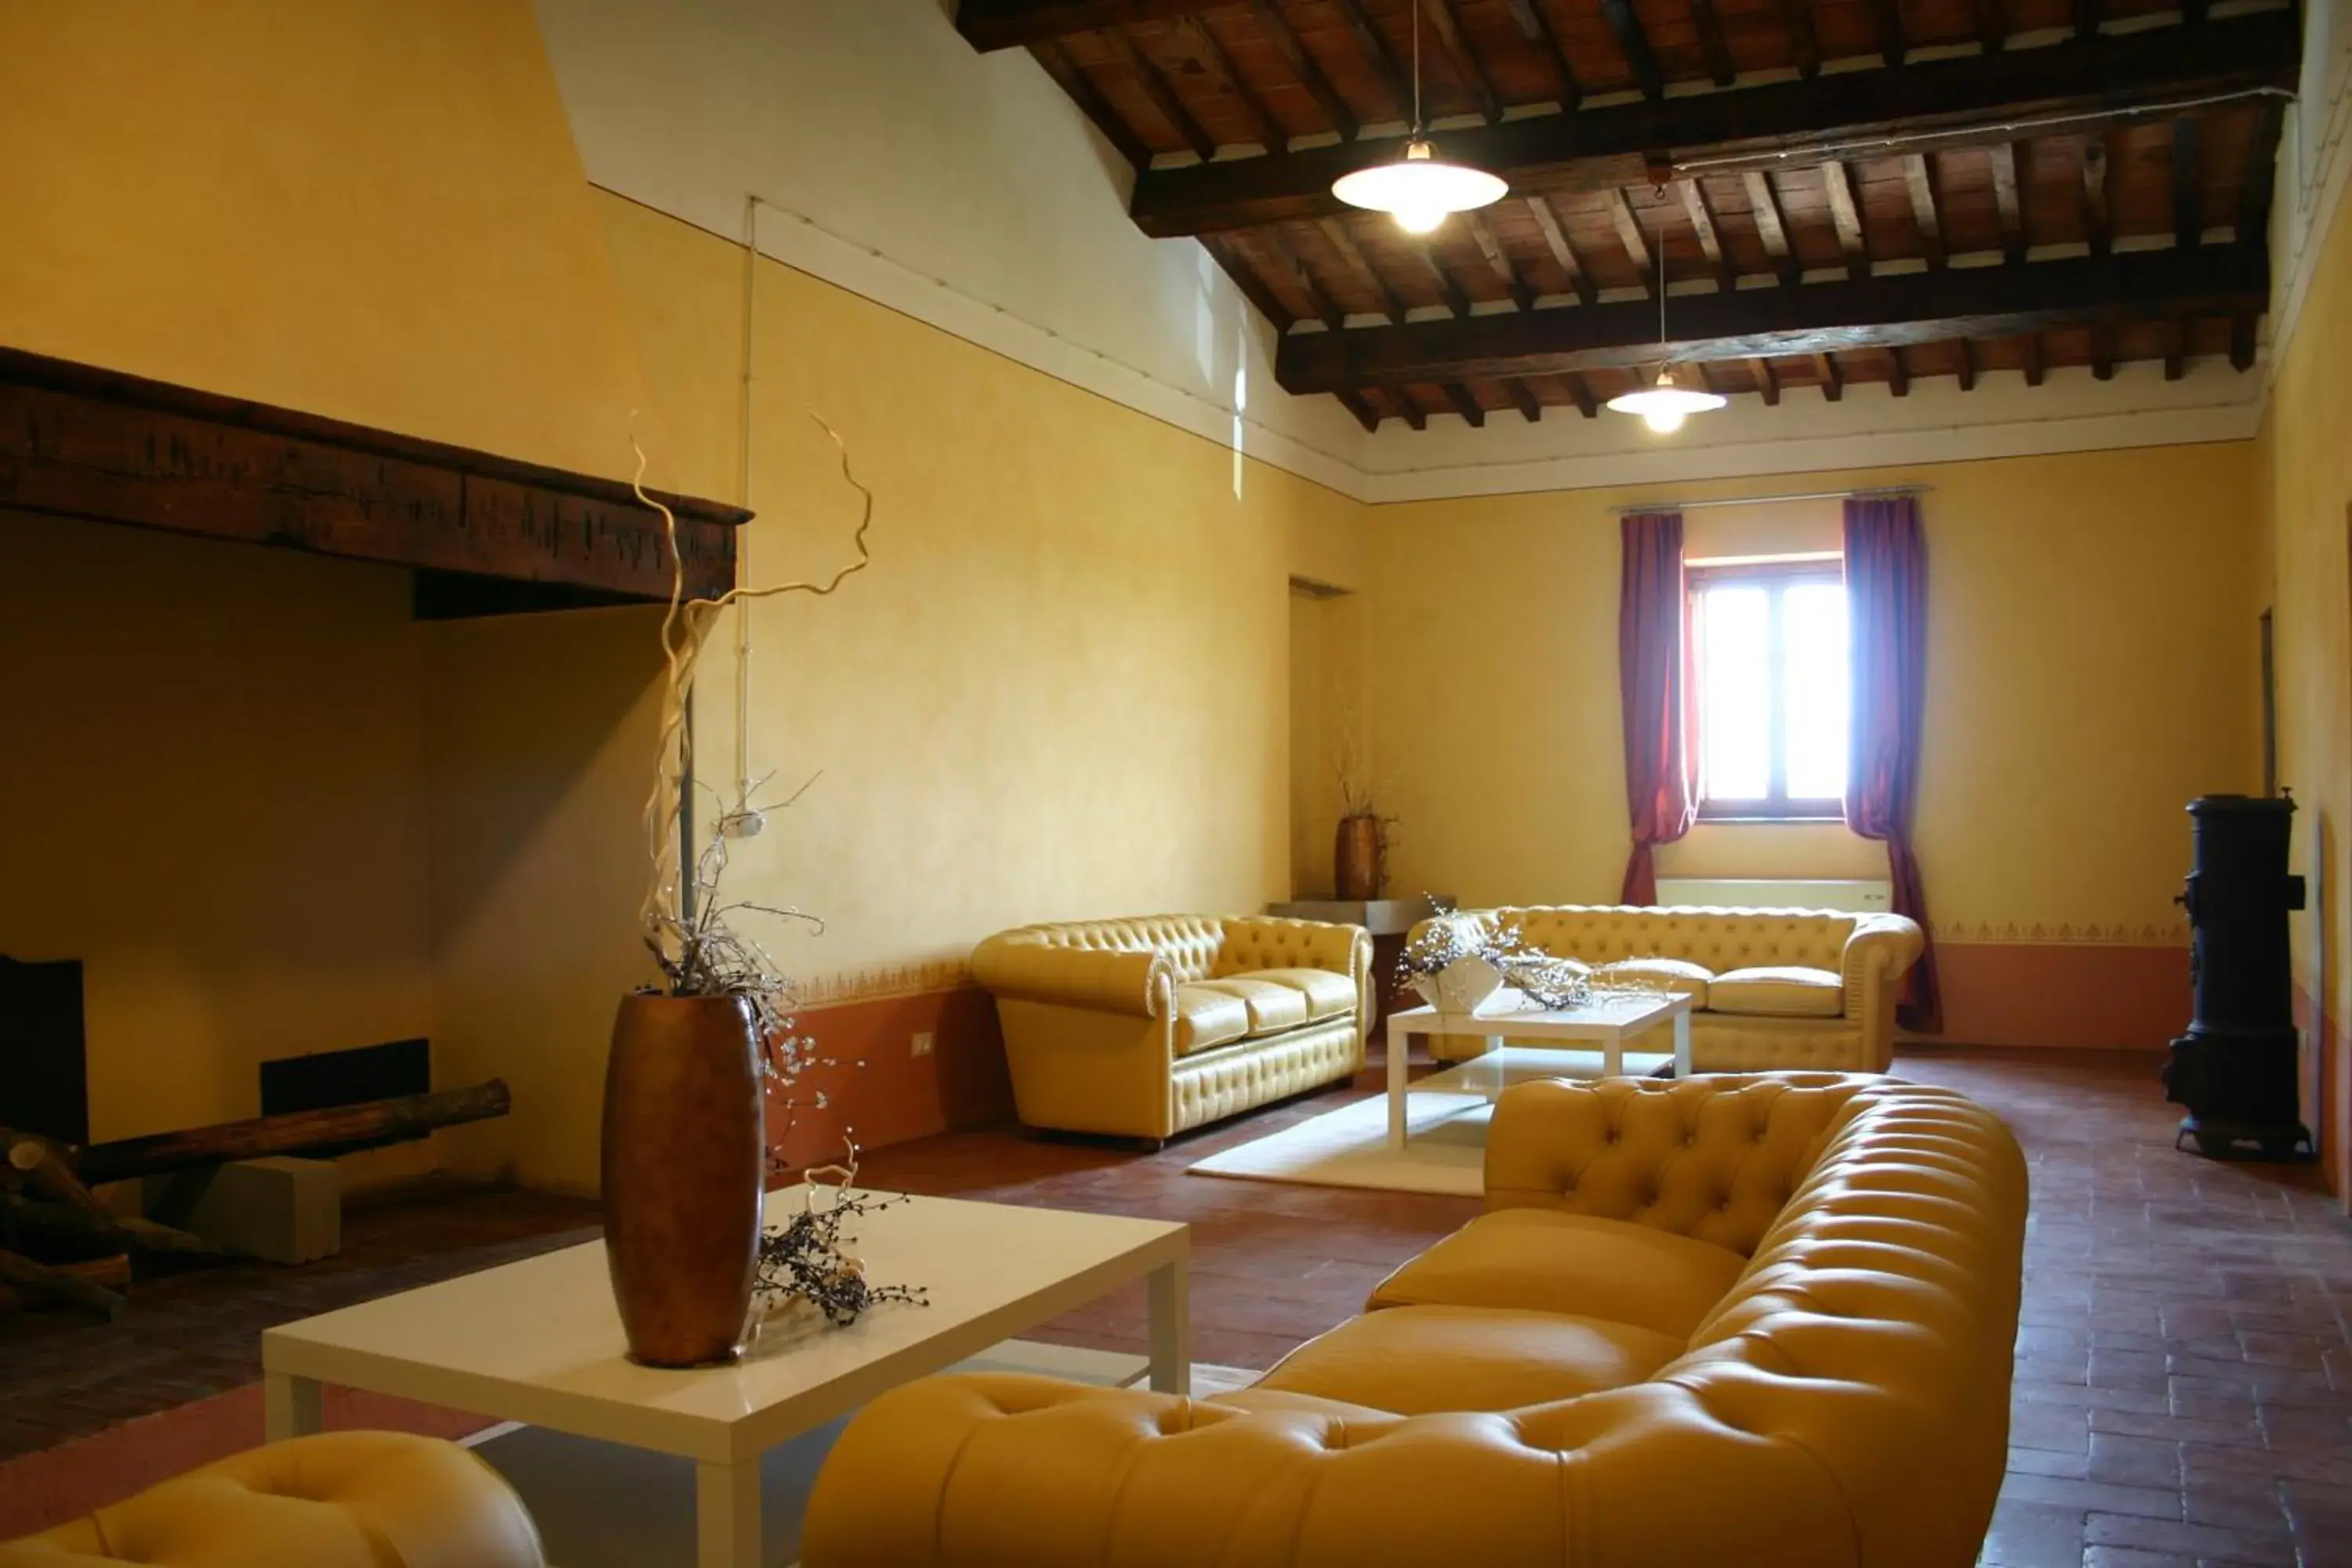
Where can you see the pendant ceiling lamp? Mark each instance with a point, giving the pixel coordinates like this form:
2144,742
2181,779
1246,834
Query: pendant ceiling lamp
1662,404
1421,188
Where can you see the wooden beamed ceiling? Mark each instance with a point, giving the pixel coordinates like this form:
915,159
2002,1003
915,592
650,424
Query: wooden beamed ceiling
1839,191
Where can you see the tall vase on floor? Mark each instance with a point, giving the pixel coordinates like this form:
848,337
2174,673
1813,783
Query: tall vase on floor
683,1164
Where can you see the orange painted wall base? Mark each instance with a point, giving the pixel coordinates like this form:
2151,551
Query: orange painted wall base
882,1093
2050,993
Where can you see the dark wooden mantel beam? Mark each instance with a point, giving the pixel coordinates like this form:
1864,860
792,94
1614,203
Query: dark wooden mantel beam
1881,313
76,441
2106,78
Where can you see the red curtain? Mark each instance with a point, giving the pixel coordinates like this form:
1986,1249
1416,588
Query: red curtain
1653,679
1887,592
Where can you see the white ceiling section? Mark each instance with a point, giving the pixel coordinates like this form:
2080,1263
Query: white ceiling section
966,190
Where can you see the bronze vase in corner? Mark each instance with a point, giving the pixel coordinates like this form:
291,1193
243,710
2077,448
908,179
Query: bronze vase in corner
1355,871
683,1165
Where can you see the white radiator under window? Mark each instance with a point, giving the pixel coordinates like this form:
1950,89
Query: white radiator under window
1759,893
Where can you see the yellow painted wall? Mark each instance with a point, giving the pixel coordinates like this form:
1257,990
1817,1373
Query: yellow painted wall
2092,650
214,789
2307,482
370,209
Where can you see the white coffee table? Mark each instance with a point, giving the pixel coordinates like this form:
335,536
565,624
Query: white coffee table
1606,1022
539,1343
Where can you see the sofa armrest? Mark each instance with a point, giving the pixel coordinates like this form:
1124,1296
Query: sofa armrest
1014,964
976,1472
1878,953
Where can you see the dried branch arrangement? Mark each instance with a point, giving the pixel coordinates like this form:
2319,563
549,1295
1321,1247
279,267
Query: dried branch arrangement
694,932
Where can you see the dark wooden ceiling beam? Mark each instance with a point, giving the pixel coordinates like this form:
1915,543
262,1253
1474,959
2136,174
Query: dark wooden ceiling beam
2256,179
1305,67
1636,43
1080,87
1919,179
1893,45
1408,408
1580,393
1797,16
1881,313
1447,32
1466,403
1449,289
1362,408
1719,67
1165,100
2176,348
2096,230
1630,236
1563,250
1710,243
1286,261
1898,372
1243,271
1831,378
1768,386
1545,44
1967,368
1378,56
2103,351
1845,217
2088,14
80,442
1962,100
2187,182
1992,26
1523,398
2005,157
991,24
2029,353
1499,261
2242,340
1202,45
1771,226
1336,231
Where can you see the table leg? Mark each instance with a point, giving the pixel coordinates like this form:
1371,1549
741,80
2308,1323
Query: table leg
1682,1044
727,1514
1612,1056
1169,1292
1397,1042
291,1407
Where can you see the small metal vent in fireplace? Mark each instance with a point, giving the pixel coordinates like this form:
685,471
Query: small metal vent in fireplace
2237,1068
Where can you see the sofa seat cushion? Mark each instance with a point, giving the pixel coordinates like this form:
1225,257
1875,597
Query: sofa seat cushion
1207,1018
1413,1360
1542,1260
1272,1007
1675,974
1329,993
1785,992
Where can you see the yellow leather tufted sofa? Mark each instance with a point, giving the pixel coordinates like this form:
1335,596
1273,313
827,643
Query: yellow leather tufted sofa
1754,1320
342,1500
1771,989
1144,1027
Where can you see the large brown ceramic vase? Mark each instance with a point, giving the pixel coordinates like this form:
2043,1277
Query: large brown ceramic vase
683,1168
1356,869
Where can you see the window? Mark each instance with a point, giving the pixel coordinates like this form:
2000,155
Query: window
1769,639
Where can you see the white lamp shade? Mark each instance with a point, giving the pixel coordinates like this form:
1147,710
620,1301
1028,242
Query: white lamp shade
1420,189
1663,407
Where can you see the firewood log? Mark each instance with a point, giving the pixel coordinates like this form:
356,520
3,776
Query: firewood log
37,1221
45,1171
337,1130
30,1282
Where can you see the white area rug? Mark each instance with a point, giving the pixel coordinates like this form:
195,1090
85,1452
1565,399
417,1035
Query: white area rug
603,1506
1445,1152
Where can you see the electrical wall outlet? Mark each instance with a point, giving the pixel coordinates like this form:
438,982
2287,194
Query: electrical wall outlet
923,1043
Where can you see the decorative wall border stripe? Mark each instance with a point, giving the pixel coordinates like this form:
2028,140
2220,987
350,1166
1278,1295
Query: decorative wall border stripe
2060,933
882,982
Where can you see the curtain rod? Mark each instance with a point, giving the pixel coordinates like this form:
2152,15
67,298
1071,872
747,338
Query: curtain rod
1768,501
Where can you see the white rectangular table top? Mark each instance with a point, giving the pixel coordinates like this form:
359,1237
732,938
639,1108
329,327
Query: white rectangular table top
540,1342
1605,1017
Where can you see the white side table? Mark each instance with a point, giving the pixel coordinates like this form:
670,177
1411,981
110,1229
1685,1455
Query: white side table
1605,1023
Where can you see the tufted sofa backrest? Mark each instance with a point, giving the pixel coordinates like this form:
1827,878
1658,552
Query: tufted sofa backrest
1721,939
1188,942
1715,1157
